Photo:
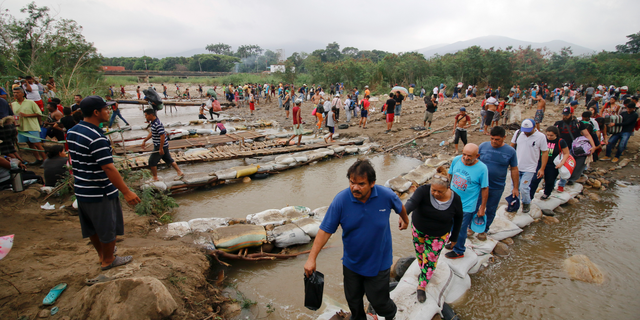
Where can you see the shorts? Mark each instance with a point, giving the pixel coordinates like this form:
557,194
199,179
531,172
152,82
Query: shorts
286,106
460,134
488,118
539,116
251,106
364,113
397,109
496,117
507,114
332,129
428,116
389,117
297,129
103,218
155,157
24,139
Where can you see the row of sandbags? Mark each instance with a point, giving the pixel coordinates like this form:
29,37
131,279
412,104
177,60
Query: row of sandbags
289,226
418,176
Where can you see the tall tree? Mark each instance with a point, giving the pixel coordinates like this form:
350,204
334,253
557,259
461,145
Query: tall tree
220,48
632,46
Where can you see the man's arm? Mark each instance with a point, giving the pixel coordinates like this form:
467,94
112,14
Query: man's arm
161,149
147,139
116,179
515,178
544,159
483,205
587,135
404,219
321,239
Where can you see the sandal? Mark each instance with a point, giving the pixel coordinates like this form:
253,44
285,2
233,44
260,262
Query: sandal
422,295
99,279
54,293
118,261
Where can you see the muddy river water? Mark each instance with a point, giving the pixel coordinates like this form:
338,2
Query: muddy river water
529,284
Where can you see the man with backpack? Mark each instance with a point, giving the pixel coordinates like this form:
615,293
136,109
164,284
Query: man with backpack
571,129
337,103
629,120
531,146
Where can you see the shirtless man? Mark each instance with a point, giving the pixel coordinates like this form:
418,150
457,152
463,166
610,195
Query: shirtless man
460,125
542,106
491,105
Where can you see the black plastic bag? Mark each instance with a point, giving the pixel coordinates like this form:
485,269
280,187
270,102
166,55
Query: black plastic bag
313,288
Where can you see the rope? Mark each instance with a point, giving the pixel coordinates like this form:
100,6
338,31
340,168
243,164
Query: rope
28,135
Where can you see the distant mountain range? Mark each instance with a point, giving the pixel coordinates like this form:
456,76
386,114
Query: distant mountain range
502,43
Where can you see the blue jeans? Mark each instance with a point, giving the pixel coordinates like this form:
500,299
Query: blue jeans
410,96
113,117
525,186
492,205
623,137
455,95
459,248
279,102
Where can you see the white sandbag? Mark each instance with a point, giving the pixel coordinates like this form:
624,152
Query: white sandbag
480,247
515,114
283,135
312,155
206,224
534,212
231,129
351,149
438,161
226,174
459,286
285,159
326,151
318,213
482,261
281,166
460,266
300,157
420,175
178,229
555,199
309,226
271,216
206,131
265,167
160,185
136,127
174,183
502,228
574,189
404,295
398,184
338,148
197,178
519,218
293,213
364,149
174,124
288,235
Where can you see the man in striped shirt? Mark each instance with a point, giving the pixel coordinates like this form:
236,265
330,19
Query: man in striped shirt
160,144
96,183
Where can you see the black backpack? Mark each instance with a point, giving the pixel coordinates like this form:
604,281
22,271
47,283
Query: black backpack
319,108
352,105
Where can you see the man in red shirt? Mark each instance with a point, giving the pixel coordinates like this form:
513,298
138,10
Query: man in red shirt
297,122
364,112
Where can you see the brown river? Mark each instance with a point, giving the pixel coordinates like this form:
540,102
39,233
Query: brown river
529,284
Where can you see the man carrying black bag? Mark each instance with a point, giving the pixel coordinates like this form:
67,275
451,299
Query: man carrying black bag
363,212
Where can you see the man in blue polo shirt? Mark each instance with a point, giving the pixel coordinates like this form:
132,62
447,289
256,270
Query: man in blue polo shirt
363,212
96,183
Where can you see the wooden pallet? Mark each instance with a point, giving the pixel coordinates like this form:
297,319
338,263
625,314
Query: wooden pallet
197,142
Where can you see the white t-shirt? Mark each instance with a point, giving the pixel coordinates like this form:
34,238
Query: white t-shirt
34,94
347,103
330,122
593,122
528,150
435,90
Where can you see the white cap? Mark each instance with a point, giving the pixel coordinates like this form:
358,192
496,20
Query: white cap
366,86
527,125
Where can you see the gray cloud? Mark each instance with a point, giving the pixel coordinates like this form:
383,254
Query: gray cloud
161,27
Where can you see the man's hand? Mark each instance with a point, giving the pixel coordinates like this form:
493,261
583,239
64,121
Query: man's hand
131,198
403,225
22,114
481,211
142,146
540,173
515,192
309,267
161,151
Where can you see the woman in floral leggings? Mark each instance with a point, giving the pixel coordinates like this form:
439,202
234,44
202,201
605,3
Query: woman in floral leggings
436,211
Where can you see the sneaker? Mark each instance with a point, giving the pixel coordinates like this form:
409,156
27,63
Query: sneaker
482,236
570,183
526,207
470,233
560,189
448,246
614,160
454,255
421,295
605,158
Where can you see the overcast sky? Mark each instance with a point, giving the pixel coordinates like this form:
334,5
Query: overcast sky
160,27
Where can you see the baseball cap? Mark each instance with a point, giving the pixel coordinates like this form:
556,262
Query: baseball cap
513,203
527,125
366,86
566,111
573,103
90,103
463,109
337,94
478,224
298,101
598,95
